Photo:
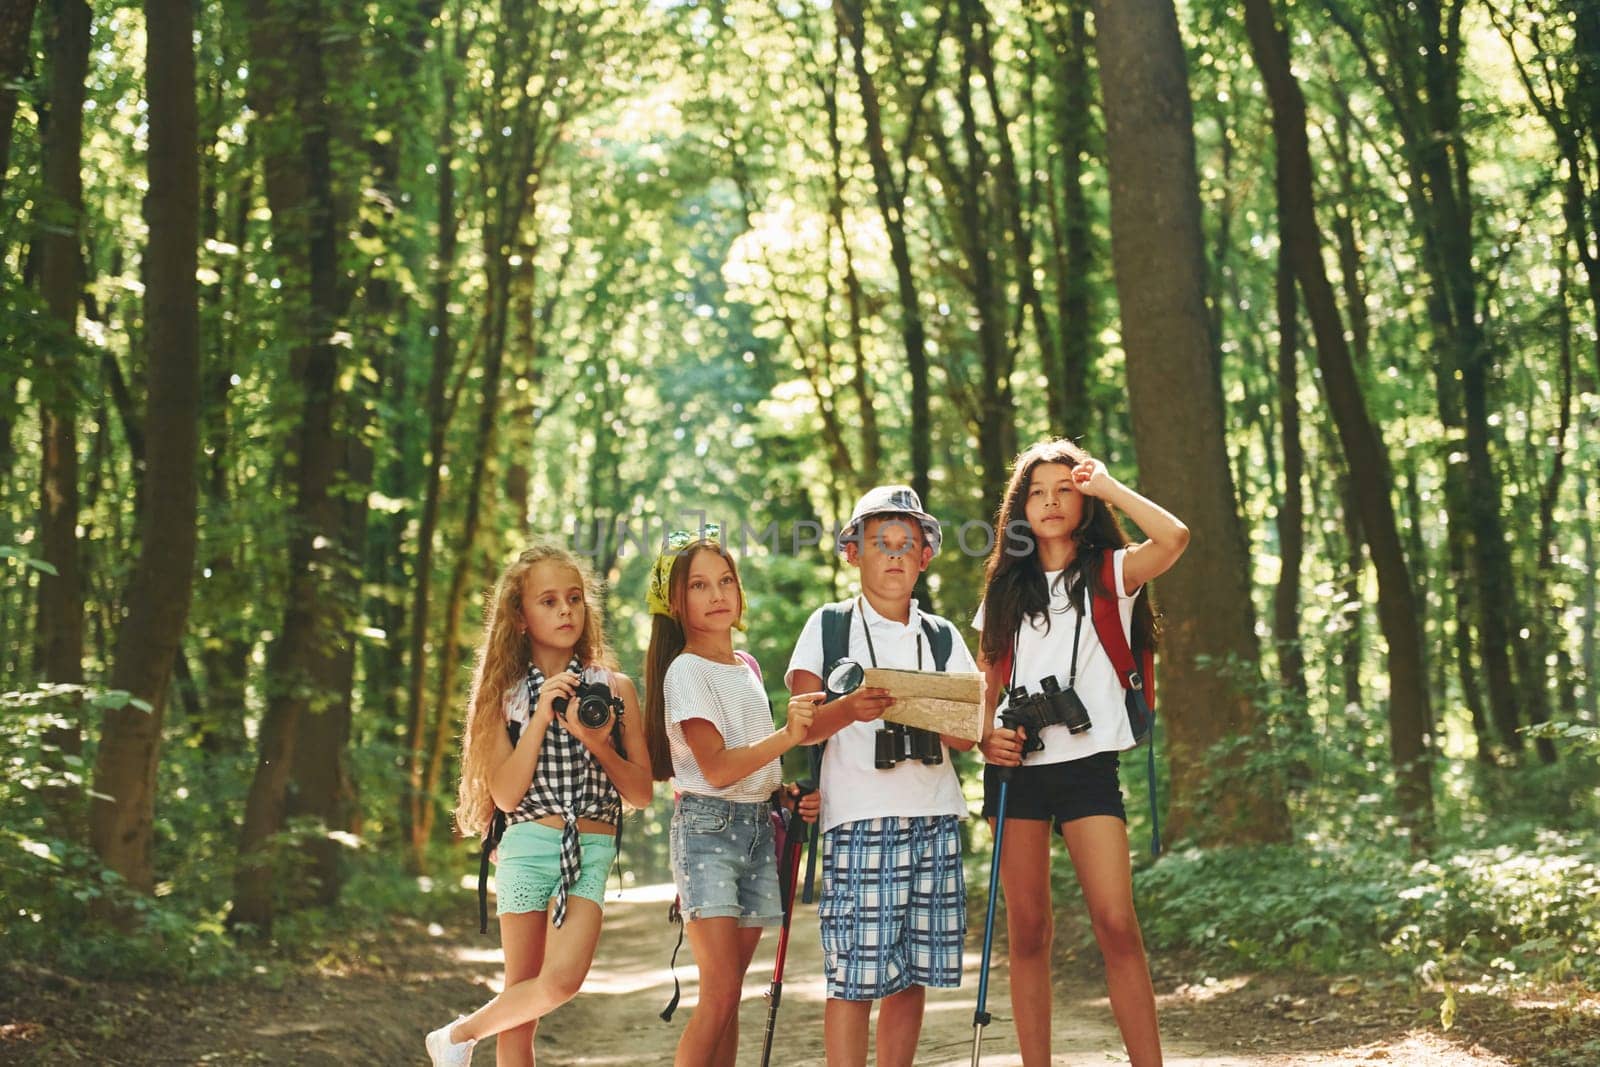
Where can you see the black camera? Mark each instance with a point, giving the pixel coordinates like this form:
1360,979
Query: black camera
596,703
896,742
1052,706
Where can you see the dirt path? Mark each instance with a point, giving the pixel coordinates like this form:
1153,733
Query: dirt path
369,1002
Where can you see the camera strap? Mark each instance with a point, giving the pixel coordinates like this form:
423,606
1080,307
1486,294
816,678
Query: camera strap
866,630
1077,635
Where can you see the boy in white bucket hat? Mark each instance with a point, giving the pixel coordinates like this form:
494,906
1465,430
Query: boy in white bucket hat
893,907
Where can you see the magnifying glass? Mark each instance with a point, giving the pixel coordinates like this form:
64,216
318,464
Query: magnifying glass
845,678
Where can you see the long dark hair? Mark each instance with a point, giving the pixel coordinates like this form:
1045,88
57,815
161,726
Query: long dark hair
1014,582
666,643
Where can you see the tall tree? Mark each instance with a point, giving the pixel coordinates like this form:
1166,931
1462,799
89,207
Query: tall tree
1158,257
889,192
1409,718
159,590
287,40
1415,54
16,31
1073,255
438,418
1291,510
59,238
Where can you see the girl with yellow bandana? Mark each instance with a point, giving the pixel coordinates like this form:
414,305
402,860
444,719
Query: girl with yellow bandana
710,730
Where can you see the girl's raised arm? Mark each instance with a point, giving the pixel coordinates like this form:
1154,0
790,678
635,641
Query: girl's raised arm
1167,534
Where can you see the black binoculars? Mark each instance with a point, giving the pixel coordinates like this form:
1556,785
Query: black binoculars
895,743
1052,706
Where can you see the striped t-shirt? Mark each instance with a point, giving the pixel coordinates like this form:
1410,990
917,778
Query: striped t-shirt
728,696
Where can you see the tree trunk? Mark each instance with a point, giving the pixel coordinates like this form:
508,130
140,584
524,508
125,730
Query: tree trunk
416,690
159,589
1291,512
59,226
1421,79
286,36
16,32
977,223
890,196
1073,121
1409,720
1009,197
467,557
1177,413
1590,586
861,382
322,787
227,635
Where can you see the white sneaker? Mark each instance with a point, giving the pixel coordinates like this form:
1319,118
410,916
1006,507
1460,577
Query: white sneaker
447,1053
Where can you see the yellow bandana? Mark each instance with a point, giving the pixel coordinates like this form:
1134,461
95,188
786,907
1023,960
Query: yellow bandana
658,592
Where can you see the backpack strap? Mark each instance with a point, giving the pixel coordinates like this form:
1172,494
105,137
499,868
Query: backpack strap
1137,677
836,618
751,662
835,634
941,640
491,839
1132,673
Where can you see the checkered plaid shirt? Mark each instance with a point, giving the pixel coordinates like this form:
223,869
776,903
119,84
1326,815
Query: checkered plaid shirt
567,781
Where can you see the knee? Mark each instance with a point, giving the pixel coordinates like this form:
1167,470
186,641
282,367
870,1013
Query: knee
1116,930
564,985
1031,929
719,1001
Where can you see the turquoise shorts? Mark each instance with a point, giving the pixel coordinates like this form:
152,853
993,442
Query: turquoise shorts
529,868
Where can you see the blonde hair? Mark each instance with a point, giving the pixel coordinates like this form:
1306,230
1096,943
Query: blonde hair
503,659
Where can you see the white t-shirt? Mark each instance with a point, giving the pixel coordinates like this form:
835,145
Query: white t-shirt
1041,653
852,788
728,696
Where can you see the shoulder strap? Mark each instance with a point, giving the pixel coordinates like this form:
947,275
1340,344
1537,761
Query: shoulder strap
1137,676
941,640
1132,673
491,838
751,662
835,633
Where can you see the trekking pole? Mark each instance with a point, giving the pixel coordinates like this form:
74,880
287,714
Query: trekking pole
786,881
980,1016
816,831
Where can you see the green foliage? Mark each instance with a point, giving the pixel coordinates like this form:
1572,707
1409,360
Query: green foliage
703,316
1580,737
1500,913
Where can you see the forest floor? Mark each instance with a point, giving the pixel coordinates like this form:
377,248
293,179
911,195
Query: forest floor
370,998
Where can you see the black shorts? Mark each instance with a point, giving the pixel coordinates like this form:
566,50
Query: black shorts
1060,792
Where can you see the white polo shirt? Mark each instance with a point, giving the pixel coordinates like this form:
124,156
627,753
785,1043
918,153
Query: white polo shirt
852,788
1044,647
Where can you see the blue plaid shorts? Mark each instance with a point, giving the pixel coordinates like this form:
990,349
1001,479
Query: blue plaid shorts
893,909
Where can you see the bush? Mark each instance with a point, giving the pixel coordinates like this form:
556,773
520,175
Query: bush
1504,910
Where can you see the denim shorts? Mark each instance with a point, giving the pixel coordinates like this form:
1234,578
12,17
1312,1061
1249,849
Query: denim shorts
529,867
723,860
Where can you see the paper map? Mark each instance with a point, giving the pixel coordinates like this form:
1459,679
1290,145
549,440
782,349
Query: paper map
933,700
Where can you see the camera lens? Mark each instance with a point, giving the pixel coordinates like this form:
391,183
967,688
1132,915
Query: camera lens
594,711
